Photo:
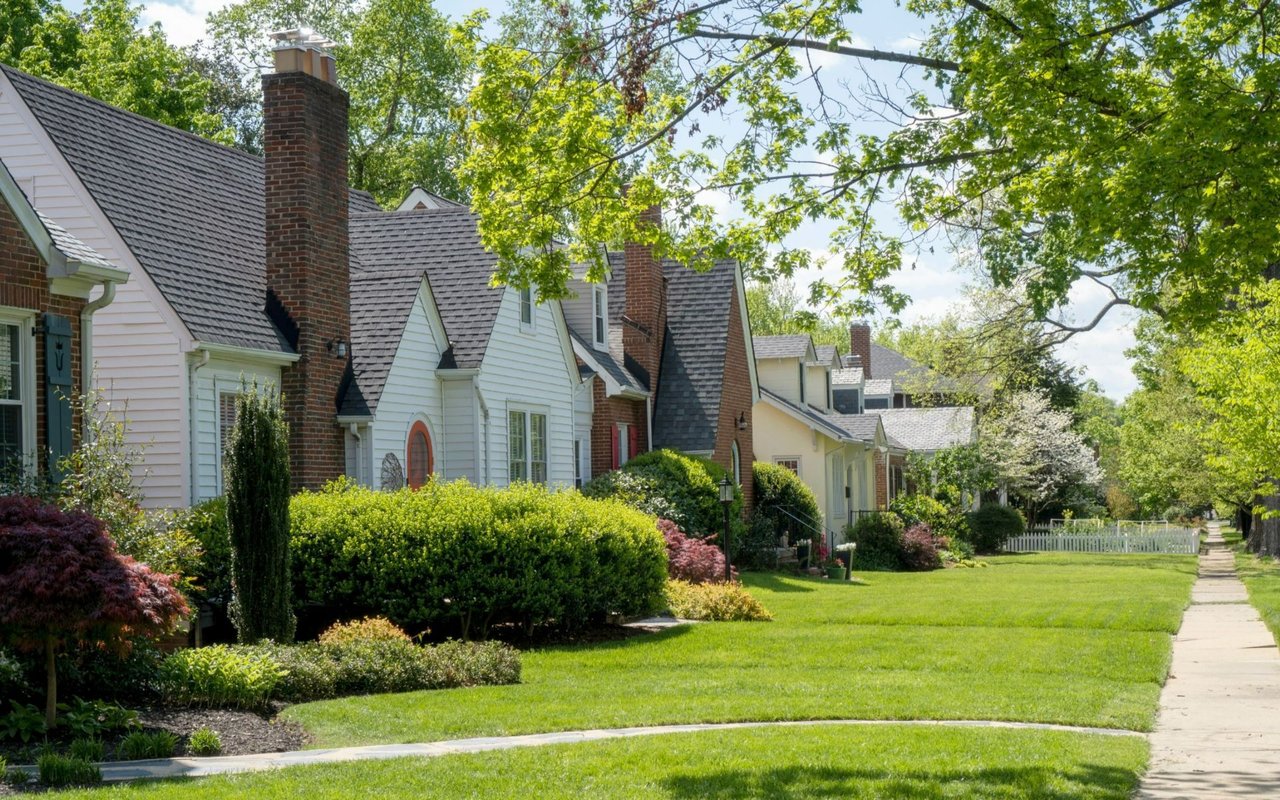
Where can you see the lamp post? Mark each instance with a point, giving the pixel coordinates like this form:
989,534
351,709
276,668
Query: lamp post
726,500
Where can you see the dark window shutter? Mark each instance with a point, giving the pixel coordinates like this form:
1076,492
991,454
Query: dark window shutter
633,441
58,391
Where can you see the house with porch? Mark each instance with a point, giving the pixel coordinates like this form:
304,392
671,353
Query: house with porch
396,358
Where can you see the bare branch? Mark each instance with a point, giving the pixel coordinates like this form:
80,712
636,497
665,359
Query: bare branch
813,44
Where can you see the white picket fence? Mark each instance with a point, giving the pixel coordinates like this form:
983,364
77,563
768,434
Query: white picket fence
1173,541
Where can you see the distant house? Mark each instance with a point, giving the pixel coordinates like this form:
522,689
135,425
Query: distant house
796,427
47,277
396,358
667,353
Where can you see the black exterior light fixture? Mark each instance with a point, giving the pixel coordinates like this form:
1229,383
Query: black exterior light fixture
726,500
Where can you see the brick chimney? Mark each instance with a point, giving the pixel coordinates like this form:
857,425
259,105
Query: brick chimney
860,345
308,289
645,316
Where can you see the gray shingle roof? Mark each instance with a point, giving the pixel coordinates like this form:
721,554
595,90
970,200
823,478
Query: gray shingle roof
928,429
878,387
846,376
191,211
792,345
887,364
687,406
608,363
443,244
380,306
825,422
862,427
73,248
617,287
827,354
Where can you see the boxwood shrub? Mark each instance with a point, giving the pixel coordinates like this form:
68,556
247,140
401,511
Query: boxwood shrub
879,542
674,485
454,551
780,490
991,526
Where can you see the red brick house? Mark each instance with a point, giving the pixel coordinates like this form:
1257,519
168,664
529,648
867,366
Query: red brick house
47,280
668,354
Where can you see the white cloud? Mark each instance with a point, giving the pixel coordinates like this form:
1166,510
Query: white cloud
183,22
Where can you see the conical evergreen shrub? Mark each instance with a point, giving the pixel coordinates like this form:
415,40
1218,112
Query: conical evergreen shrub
257,490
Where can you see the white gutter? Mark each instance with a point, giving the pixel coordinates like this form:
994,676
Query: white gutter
192,478
268,356
86,334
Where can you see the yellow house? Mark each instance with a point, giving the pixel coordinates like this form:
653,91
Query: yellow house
795,427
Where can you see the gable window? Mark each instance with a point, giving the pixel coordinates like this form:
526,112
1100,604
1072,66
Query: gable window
419,456
788,462
599,321
17,412
526,308
736,456
526,446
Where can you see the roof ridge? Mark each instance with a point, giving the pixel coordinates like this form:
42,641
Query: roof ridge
124,111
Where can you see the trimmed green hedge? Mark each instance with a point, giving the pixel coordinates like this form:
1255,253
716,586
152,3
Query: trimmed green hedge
778,489
683,488
476,555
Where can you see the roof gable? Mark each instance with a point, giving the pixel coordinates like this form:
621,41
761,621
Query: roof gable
789,345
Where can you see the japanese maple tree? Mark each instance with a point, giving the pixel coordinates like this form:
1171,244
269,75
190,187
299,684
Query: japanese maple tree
62,580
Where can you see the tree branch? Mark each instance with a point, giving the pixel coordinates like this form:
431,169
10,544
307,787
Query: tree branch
1142,18
813,44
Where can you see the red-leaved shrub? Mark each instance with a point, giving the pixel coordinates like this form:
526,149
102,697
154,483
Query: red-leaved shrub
920,549
61,579
691,559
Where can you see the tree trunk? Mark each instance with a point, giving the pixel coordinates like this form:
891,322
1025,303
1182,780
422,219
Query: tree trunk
51,684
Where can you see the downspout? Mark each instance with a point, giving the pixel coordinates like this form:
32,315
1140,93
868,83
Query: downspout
192,477
355,434
484,436
648,419
86,334
888,486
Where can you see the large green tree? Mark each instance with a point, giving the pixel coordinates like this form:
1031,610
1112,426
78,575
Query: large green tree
776,308
103,51
1130,144
397,59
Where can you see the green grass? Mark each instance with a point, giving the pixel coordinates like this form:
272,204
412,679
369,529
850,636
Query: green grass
882,762
1261,577
1071,639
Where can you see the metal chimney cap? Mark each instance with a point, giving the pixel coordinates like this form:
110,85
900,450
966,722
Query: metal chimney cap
303,38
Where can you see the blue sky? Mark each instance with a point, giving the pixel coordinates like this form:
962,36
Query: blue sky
929,277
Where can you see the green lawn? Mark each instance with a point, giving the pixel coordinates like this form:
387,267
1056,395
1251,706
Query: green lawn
788,763
1261,577
1056,638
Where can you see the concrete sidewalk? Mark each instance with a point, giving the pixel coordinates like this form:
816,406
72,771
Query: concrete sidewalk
1218,732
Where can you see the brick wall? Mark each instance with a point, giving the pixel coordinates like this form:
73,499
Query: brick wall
860,345
645,324
24,284
735,400
882,484
608,412
305,145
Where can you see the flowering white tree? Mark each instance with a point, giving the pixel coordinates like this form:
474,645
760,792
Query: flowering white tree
1035,450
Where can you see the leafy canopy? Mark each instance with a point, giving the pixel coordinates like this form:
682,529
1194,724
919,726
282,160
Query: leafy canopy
1069,138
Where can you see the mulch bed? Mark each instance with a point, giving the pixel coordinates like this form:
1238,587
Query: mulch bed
241,732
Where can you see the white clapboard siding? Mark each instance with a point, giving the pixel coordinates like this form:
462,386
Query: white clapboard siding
529,370
460,425
139,364
412,392
1174,541
220,376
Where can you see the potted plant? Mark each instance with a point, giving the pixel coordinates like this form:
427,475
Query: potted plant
834,569
844,555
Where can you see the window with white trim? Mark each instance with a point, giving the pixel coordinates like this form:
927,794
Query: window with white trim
526,447
577,463
600,322
17,409
792,464
624,443
526,308
736,456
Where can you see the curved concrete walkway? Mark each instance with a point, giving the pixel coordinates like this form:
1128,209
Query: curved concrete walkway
1218,732
223,765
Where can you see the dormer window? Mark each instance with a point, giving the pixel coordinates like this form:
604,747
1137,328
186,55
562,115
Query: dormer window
599,321
526,307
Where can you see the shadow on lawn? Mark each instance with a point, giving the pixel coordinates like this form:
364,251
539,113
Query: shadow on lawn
777,582
792,783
